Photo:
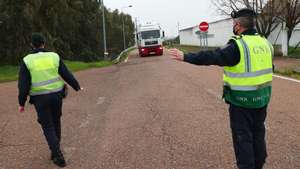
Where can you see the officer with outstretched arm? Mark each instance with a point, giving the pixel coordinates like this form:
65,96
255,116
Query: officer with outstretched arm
40,78
248,70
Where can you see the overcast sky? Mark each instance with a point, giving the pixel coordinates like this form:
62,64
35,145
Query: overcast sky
168,12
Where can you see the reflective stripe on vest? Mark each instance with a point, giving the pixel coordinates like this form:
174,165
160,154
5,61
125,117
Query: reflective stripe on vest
38,84
248,88
248,74
47,92
247,56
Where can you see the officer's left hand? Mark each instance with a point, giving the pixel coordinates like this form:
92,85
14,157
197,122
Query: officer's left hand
21,109
176,54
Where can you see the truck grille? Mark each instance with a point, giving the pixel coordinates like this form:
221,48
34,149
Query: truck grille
151,42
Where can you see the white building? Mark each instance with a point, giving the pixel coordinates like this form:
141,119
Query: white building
276,36
220,32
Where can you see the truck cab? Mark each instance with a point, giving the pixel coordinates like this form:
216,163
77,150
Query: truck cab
150,39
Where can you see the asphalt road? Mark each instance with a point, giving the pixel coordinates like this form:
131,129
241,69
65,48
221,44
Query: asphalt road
148,113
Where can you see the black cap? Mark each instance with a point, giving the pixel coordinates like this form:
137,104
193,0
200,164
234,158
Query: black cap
245,12
37,39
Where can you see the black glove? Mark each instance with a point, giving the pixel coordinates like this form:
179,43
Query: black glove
65,91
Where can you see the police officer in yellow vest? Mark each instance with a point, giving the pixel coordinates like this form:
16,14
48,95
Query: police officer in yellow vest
40,78
248,69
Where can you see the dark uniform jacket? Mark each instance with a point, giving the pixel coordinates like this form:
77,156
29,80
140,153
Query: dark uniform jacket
24,83
226,56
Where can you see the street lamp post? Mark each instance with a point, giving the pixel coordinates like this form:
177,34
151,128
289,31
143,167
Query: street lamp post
123,25
104,29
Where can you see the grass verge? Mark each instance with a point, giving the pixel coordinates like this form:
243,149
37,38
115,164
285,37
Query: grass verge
10,73
187,48
76,66
294,53
288,72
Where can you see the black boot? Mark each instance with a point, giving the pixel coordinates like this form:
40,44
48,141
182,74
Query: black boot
58,159
52,156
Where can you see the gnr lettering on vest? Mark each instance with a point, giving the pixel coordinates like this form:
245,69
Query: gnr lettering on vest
259,50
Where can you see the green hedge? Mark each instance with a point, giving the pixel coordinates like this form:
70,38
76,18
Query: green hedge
10,73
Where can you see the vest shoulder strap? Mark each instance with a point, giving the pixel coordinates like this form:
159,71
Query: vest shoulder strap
236,37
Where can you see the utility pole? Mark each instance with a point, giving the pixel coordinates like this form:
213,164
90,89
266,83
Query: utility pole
123,25
104,30
123,30
178,28
136,31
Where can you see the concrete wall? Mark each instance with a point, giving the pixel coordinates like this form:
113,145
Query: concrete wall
222,31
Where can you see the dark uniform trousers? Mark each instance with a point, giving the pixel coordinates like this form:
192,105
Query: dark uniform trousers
248,133
49,111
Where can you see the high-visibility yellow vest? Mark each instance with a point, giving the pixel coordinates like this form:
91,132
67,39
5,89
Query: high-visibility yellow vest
43,68
249,83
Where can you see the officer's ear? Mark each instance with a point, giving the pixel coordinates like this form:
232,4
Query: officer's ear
31,46
237,24
42,45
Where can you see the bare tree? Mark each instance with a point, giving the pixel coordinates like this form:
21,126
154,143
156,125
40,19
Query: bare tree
290,15
267,11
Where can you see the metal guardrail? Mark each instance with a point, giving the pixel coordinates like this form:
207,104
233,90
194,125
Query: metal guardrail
117,60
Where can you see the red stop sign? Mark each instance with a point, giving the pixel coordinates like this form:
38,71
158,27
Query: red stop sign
203,26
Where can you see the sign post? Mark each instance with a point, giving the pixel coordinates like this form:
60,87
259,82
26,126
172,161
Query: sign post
203,27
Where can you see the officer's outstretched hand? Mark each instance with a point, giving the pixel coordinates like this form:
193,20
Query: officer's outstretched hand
21,109
176,54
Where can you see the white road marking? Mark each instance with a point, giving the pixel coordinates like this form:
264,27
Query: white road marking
85,123
69,151
212,92
101,100
287,78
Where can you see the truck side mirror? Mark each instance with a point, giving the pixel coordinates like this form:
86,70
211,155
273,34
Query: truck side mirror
137,36
163,34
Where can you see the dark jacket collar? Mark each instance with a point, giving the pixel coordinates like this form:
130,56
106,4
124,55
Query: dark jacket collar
249,32
39,50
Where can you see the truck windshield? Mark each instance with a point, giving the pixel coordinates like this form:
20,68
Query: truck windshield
151,34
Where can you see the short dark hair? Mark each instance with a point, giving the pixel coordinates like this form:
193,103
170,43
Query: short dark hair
37,40
243,13
247,22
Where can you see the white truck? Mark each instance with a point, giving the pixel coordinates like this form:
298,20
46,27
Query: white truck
150,39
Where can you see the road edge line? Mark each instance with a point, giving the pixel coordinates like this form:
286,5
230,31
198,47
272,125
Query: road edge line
286,78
